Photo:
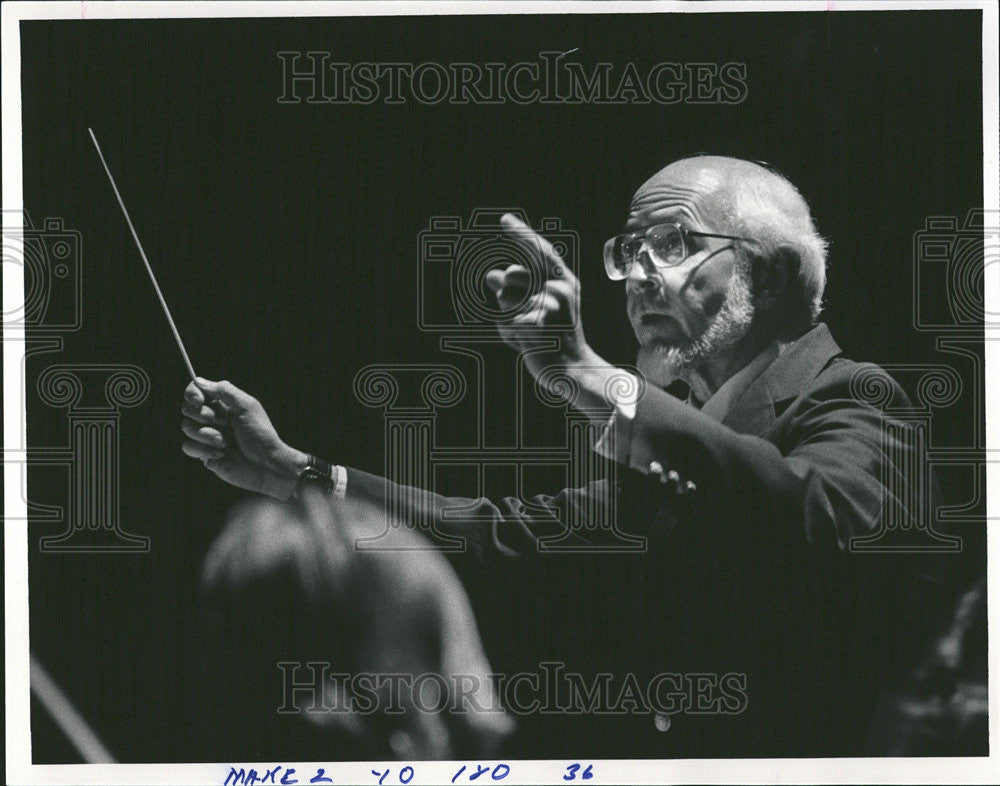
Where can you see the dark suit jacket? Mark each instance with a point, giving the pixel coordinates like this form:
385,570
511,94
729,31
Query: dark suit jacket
751,575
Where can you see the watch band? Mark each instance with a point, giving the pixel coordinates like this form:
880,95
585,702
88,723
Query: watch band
317,473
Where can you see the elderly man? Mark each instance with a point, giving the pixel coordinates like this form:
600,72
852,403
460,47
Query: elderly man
747,495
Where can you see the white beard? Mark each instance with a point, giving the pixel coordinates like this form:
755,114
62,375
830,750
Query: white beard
662,364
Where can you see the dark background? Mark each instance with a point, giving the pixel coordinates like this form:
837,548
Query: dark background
285,240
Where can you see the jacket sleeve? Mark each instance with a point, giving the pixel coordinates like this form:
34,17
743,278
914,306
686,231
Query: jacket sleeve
833,472
490,530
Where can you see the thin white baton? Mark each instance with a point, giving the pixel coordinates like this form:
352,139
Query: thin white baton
149,269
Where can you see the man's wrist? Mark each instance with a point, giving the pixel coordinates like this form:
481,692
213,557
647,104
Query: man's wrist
597,383
291,462
286,466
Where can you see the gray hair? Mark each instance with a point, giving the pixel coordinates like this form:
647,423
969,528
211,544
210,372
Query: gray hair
757,202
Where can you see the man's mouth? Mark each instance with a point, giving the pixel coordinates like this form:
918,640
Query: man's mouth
654,320
661,326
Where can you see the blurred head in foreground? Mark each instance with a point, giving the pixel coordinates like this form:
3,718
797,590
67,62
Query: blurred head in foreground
397,667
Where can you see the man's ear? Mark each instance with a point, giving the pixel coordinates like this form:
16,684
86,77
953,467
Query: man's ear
776,275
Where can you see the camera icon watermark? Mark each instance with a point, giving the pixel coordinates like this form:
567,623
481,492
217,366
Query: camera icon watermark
954,258
49,259
43,295
454,257
454,301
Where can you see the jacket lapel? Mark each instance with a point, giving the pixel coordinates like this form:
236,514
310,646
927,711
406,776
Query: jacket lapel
782,381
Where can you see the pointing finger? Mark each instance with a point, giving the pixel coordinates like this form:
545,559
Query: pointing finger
536,245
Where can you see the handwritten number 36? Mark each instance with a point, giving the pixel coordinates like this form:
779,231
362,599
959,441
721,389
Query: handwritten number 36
573,769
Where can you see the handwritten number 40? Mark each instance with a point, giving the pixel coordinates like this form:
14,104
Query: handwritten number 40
573,769
405,775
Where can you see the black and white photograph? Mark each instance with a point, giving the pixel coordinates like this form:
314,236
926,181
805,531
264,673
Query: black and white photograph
442,393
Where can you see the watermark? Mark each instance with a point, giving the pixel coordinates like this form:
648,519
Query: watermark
952,259
315,77
455,255
952,255
47,260
93,394
314,687
50,260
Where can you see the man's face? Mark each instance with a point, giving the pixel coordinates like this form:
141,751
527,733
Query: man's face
685,313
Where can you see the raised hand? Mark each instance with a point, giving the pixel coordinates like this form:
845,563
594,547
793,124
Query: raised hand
555,308
556,304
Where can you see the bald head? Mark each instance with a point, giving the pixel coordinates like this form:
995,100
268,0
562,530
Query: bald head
703,177
736,197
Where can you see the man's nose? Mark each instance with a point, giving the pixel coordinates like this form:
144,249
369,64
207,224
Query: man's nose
641,272
644,275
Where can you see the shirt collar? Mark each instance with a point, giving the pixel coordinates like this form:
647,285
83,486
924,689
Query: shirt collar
720,403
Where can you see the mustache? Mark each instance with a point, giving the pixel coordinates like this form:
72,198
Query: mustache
641,305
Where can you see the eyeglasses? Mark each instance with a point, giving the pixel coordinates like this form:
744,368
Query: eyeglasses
666,244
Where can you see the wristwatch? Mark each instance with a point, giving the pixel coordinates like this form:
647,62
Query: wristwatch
317,473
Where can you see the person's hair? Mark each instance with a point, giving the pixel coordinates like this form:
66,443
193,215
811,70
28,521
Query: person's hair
755,201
